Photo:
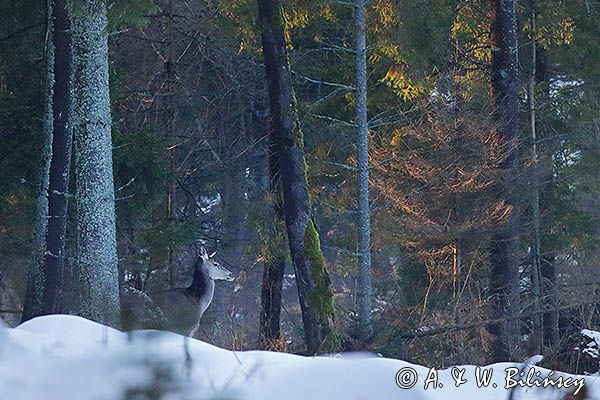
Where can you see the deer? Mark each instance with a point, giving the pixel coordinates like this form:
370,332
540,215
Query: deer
179,310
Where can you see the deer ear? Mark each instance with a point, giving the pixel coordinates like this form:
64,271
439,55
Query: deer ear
203,254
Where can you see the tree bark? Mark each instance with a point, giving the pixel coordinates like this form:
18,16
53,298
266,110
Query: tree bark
35,282
171,81
312,277
550,316
60,165
45,285
270,323
550,304
504,280
272,283
537,331
96,241
364,292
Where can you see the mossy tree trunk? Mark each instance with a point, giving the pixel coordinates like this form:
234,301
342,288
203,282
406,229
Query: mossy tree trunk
314,283
96,240
44,288
504,278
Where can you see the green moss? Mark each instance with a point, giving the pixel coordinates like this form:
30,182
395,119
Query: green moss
299,136
280,21
319,298
276,248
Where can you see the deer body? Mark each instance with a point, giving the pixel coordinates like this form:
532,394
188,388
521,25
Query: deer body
183,308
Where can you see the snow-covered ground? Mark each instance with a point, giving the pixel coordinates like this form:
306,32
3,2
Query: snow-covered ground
66,357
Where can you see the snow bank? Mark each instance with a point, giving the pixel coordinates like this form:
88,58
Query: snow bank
67,357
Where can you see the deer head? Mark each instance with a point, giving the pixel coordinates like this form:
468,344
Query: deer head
215,270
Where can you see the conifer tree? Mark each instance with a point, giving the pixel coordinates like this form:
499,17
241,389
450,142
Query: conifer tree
313,280
46,275
95,196
364,289
504,274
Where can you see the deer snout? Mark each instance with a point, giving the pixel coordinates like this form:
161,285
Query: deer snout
230,277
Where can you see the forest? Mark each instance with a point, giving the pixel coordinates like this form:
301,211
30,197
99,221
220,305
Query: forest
412,180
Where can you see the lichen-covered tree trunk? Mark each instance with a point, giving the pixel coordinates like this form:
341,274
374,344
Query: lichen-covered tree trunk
45,294
54,259
33,302
96,241
504,278
364,210
313,280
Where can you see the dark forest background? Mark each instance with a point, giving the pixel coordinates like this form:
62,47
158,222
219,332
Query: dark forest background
191,152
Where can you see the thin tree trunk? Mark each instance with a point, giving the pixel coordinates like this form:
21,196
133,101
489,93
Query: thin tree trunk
456,284
53,259
504,279
96,241
33,302
60,165
234,240
364,211
272,283
550,318
170,117
537,332
313,280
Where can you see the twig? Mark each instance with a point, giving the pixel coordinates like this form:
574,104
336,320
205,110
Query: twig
456,328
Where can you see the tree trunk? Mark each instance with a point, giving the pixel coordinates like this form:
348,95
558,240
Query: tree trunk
550,317
171,81
270,315
313,280
504,280
96,241
61,162
364,212
45,285
537,331
547,257
219,319
272,283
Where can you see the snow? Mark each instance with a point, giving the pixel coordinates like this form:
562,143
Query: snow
593,347
67,357
534,360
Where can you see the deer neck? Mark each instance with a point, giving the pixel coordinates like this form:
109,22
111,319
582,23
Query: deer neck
202,287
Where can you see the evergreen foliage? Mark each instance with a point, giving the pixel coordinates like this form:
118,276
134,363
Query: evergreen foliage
191,161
